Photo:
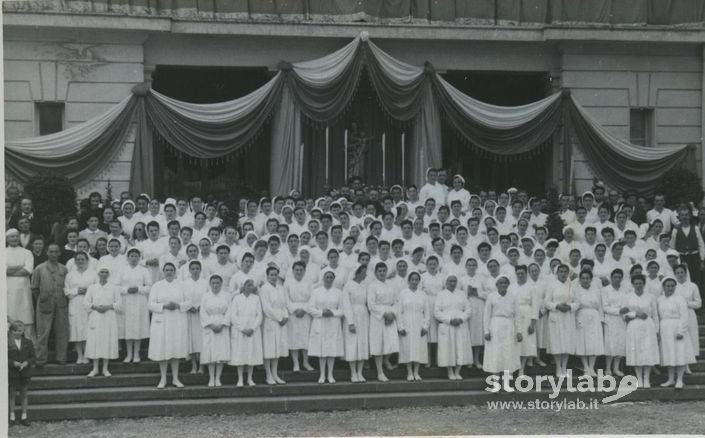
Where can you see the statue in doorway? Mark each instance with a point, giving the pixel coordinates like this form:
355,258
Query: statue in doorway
358,146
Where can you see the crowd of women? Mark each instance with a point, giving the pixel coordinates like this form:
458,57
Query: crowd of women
433,277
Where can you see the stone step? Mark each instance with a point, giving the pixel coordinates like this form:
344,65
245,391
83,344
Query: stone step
318,402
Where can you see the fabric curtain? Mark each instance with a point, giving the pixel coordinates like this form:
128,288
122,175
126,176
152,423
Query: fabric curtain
495,129
579,11
426,139
214,130
399,85
142,166
324,87
618,163
79,153
286,160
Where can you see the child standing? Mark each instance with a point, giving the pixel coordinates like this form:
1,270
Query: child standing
20,360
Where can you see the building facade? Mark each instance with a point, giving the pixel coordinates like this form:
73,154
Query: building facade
65,62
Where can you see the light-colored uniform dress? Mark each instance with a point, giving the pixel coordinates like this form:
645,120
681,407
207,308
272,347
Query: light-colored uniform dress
78,316
194,290
357,345
542,324
297,295
238,279
477,307
615,326
113,264
414,314
561,325
133,319
381,299
168,334
326,336
274,336
641,340
245,313
19,292
153,249
674,319
690,292
453,342
431,285
102,328
215,347
528,304
501,351
588,321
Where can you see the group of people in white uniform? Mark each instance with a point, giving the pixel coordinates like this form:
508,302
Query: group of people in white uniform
436,279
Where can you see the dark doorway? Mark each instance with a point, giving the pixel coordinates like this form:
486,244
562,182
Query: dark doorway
485,172
247,173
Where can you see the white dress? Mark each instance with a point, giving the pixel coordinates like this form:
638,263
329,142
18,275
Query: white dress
561,325
326,337
113,264
588,321
528,304
274,336
297,294
477,307
238,279
357,345
153,249
615,326
641,341
102,329
194,290
168,335
453,342
674,319
431,285
542,325
414,315
690,292
19,292
78,316
215,347
133,319
501,351
381,299
245,313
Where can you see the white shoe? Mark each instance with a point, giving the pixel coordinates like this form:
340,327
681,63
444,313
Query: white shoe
667,384
161,385
331,379
127,360
279,380
321,380
410,378
239,384
106,373
93,373
218,383
178,384
211,383
417,377
382,378
251,383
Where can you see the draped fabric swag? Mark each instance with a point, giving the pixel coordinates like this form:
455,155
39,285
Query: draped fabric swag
319,92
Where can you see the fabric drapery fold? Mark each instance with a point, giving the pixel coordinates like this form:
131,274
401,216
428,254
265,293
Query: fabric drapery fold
79,153
286,162
495,129
214,130
323,88
618,163
399,86
142,166
426,139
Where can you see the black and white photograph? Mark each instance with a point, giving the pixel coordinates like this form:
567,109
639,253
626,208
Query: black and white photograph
294,218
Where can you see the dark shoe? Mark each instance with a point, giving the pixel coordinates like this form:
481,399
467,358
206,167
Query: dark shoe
11,423
25,422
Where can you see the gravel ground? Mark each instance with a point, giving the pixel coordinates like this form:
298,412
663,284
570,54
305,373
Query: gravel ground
642,418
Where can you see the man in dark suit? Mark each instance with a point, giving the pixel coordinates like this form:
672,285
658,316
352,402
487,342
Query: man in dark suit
26,210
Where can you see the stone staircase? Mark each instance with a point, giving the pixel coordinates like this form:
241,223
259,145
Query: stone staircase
61,392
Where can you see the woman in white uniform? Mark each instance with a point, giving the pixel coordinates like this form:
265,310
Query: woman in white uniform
133,320
561,319
274,331
195,287
326,338
215,332
471,283
20,264
528,303
76,287
245,318
102,300
539,285
298,292
356,323
414,317
168,340
432,282
613,297
589,317
689,290
641,314
452,311
384,337
501,330
675,346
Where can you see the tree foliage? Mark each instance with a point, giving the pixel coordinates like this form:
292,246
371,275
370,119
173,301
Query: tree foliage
53,198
